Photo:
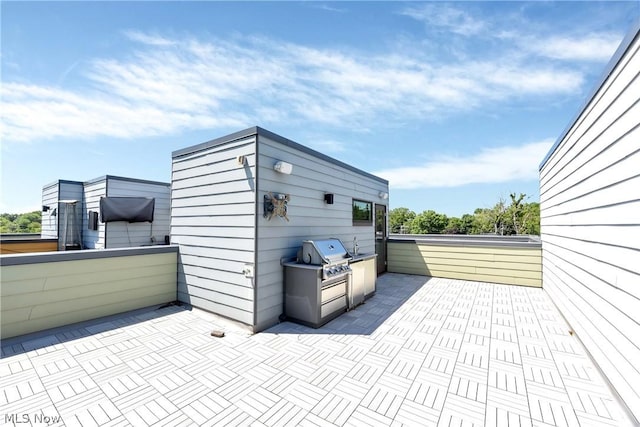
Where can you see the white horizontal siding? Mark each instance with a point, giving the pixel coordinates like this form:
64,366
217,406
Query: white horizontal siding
49,222
93,239
213,221
121,234
590,223
309,216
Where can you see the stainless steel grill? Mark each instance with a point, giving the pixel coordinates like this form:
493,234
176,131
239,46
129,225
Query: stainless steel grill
317,284
329,253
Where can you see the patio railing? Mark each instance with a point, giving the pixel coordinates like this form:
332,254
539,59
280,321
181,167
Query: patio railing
513,260
47,290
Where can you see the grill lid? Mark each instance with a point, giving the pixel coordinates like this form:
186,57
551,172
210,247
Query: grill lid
326,251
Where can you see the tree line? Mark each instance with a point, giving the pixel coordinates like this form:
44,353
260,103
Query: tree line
504,218
21,223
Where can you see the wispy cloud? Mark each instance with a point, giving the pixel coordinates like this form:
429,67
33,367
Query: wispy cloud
446,18
491,165
164,85
323,6
146,38
462,21
593,47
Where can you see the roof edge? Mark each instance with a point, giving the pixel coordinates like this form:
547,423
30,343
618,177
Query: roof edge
624,46
217,141
124,178
60,181
258,131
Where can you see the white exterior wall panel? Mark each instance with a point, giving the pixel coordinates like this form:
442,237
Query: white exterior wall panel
213,221
590,223
121,234
93,191
49,222
309,216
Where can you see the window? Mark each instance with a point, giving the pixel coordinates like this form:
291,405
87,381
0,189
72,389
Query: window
362,212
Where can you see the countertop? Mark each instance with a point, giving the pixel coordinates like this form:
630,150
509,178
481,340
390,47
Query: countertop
362,257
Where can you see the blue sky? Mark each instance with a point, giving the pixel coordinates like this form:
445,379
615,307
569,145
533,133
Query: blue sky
456,103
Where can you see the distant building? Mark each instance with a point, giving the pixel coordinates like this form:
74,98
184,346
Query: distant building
72,213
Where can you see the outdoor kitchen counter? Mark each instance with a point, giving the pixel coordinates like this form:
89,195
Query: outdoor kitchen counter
362,257
364,274
301,265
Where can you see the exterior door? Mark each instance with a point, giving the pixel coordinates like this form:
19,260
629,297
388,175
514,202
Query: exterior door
381,238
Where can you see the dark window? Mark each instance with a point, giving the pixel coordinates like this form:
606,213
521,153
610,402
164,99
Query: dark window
362,212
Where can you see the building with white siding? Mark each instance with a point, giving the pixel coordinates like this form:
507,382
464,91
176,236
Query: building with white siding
590,223
230,251
83,199
54,213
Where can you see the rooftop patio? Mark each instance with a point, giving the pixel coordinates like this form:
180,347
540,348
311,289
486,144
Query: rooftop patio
422,351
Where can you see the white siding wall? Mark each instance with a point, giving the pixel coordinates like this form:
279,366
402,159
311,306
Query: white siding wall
309,216
213,221
93,239
121,234
590,218
49,222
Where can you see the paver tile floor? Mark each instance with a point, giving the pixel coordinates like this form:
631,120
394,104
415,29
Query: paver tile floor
423,351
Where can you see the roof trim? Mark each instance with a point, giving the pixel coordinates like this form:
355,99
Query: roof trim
215,142
628,40
258,131
60,181
122,178
44,257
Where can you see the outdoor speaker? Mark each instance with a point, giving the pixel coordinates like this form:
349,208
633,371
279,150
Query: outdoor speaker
93,220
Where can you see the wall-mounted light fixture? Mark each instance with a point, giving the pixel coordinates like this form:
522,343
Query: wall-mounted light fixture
283,167
241,160
383,195
328,198
45,208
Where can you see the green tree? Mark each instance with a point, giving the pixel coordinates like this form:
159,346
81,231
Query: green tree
483,221
429,222
467,223
400,220
21,223
515,213
454,226
531,218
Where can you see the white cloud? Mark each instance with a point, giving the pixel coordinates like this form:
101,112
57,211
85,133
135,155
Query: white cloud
150,39
167,85
326,7
490,165
588,46
447,17
594,47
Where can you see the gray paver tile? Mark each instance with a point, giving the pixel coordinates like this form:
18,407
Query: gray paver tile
498,417
231,416
364,416
458,410
335,409
206,407
283,413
